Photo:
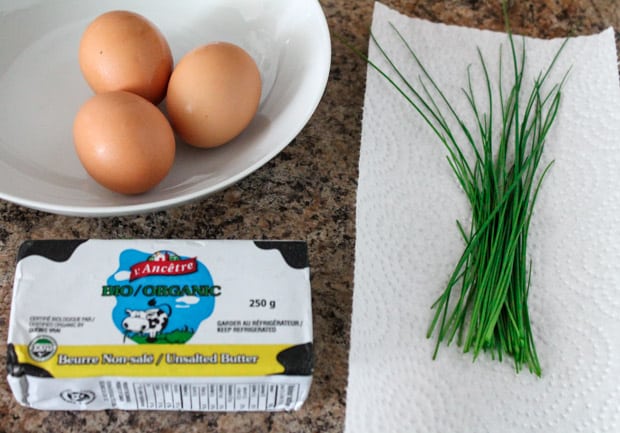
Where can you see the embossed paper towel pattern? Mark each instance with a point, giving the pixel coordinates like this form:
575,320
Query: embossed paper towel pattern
407,244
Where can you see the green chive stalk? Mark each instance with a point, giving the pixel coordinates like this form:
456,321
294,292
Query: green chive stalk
484,304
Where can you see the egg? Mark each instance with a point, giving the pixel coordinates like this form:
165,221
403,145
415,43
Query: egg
213,94
124,142
122,50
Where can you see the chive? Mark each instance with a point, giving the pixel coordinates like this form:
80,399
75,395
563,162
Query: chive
484,304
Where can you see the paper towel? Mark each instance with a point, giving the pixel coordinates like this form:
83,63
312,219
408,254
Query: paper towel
407,245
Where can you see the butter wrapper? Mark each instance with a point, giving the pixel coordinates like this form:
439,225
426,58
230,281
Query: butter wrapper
193,325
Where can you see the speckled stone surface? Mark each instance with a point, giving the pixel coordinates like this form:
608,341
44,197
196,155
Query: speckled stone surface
306,192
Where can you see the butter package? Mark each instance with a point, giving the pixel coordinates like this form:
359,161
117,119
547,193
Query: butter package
195,325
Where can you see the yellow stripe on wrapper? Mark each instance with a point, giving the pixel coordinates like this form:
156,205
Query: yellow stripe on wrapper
160,360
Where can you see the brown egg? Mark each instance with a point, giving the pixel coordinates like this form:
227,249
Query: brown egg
213,94
124,142
122,50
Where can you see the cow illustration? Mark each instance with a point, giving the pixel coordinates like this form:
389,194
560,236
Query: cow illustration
150,322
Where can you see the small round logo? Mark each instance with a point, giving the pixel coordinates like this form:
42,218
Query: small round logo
77,397
42,348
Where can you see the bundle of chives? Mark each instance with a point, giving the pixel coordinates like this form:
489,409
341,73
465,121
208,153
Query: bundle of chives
484,305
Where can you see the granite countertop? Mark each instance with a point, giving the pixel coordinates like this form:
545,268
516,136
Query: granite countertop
306,192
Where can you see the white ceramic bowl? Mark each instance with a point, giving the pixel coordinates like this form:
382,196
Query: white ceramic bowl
41,90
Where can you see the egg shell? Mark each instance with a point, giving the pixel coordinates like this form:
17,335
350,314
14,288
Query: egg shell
213,94
124,142
122,50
